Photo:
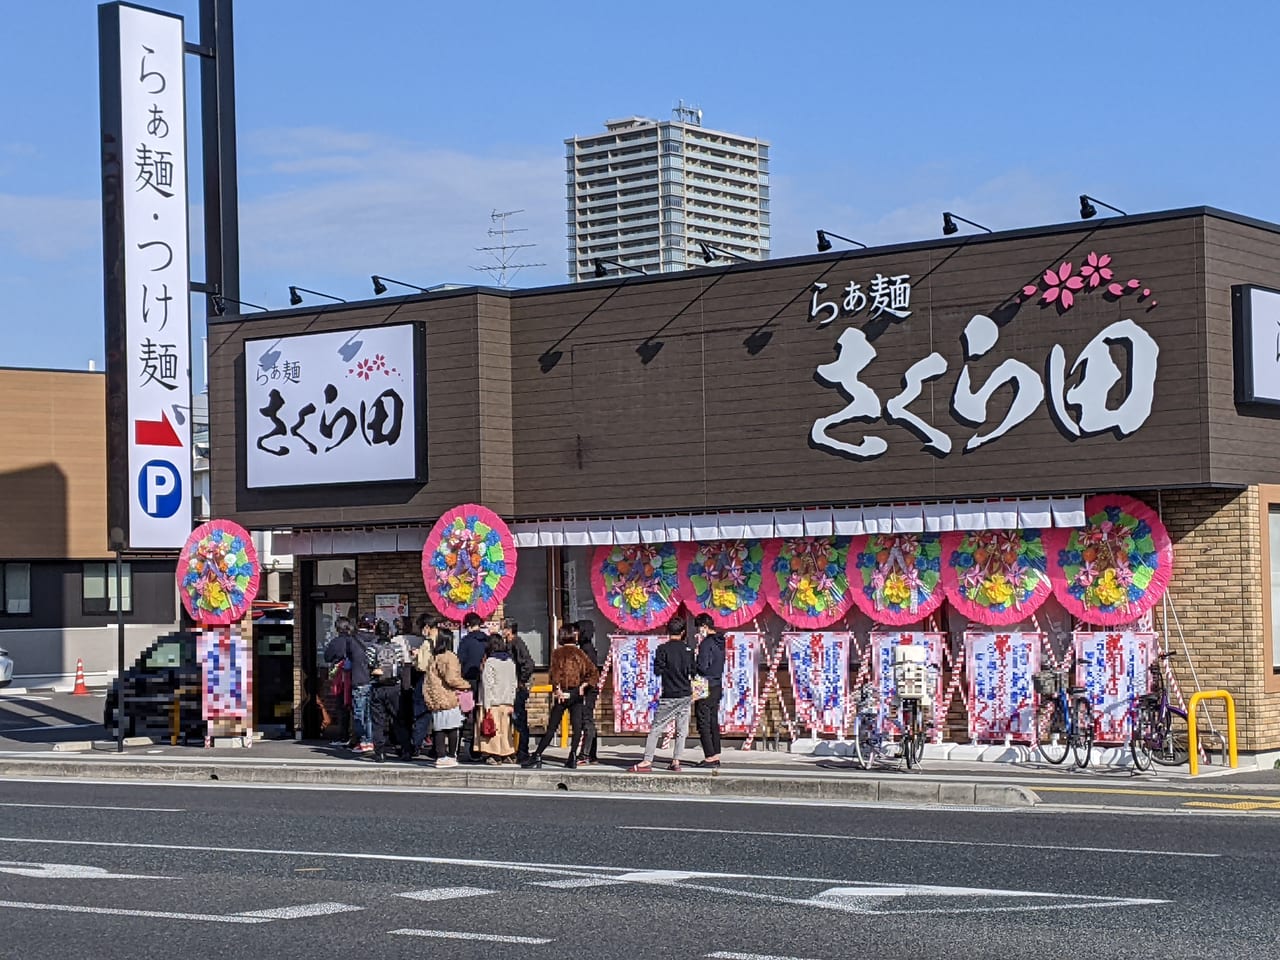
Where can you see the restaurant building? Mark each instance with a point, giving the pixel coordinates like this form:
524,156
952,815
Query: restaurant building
961,384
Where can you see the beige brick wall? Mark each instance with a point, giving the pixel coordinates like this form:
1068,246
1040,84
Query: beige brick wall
1214,619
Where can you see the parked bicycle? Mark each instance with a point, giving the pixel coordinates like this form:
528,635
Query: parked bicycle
1064,720
1160,732
871,746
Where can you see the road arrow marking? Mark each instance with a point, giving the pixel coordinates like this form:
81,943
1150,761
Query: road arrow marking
68,871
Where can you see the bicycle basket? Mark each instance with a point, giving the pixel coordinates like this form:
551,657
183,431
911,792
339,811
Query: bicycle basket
1047,683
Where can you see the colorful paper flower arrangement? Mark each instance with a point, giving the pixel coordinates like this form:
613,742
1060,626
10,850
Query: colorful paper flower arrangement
897,577
996,577
723,578
807,581
636,585
469,561
1117,566
218,573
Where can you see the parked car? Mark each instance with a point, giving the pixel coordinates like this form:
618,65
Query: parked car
166,673
6,668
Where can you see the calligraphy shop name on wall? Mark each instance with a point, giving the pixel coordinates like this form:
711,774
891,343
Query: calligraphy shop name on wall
330,408
1080,394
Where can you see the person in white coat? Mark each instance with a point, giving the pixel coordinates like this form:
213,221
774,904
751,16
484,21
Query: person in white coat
497,703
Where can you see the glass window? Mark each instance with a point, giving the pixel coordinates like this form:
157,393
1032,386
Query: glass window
527,604
98,591
15,588
1273,534
336,573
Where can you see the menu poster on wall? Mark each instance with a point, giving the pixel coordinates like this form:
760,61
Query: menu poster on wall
388,606
346,406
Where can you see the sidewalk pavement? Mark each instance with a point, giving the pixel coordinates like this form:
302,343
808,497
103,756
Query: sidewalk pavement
761,773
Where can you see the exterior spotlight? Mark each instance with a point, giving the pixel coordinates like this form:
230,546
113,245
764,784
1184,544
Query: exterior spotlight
1088,210
295,295
949,223
220,302
710,253
380,285
602,272
824,244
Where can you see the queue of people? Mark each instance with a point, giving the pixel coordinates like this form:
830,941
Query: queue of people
408,692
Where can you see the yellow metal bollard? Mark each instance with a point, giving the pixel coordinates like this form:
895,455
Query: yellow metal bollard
1193,748
564,720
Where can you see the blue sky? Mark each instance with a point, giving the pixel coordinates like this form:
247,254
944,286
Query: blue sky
377,137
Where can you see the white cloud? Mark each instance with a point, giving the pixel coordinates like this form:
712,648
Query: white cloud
344,205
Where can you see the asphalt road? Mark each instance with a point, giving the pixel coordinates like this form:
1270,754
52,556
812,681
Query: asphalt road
122,870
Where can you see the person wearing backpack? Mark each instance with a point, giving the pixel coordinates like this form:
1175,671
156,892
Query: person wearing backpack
384,695
441,684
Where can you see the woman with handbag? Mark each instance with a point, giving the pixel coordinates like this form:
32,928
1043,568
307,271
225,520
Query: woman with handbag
497,702
572,674
446,693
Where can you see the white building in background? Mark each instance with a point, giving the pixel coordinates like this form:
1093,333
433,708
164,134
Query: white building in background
645,192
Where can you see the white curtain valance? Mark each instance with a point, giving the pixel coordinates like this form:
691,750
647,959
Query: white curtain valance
749,524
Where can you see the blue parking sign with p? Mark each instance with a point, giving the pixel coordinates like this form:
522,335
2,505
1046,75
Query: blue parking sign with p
160,489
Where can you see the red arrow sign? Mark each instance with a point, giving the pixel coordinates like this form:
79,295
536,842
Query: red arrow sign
156,433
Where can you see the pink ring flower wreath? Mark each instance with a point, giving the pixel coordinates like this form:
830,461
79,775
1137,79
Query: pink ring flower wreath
996,577
218,573
723,578
896,577
469,561
806,580
1116,567
636,585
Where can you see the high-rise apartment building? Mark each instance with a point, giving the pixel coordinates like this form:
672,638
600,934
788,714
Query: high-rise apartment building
645,192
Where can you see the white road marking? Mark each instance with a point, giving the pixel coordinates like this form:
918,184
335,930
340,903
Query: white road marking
80,806
726,955
950,843
303,910
24,696
120,912
5,731
658,876
460,935
69,871
445,893
575,883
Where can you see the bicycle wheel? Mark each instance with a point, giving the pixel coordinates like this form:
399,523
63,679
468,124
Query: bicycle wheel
1170,744
863,731
1140,740
912,735
1082,731
1053,737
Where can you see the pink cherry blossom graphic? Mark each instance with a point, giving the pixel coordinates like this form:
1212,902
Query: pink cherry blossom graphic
1095,269
1060,286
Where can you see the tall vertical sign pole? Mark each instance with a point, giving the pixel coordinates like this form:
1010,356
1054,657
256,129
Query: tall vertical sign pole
146,287
218,136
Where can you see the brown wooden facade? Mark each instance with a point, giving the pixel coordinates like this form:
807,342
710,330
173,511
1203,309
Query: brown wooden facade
720,415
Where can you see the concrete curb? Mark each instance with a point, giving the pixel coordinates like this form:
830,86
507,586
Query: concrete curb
855,788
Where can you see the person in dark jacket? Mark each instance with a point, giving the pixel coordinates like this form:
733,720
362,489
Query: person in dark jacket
524,676
349,646
590,736
385,688
709,663
572,675
471,651
673,665
426,635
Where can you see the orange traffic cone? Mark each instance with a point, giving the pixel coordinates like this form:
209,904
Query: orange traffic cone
80,690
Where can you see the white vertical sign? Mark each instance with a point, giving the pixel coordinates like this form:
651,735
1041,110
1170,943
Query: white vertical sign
146,235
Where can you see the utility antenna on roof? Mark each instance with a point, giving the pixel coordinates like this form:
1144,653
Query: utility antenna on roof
501,268
690,114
